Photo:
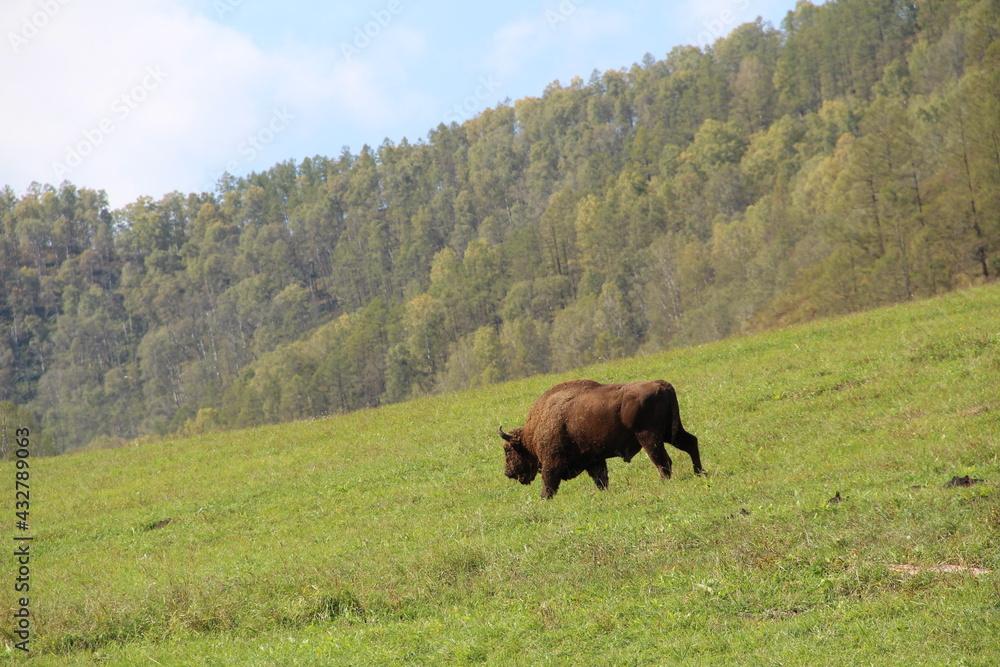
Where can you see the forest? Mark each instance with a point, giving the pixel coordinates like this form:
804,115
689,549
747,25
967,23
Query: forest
846,159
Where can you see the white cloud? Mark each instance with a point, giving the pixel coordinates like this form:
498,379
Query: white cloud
566,30
374,86
145,98
517,43
590,24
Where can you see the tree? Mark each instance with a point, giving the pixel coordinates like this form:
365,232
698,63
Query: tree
526,347
16,422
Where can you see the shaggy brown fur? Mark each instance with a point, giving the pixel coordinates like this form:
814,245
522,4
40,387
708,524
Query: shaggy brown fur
576,426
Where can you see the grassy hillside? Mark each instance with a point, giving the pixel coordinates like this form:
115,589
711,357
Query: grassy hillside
390,536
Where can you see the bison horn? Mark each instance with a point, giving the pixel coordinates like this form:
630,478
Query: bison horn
506,436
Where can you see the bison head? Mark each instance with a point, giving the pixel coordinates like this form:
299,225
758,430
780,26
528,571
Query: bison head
520,463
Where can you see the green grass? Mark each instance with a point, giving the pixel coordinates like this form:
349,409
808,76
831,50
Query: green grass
391,536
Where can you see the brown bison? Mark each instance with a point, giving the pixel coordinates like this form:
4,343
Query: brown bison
578,425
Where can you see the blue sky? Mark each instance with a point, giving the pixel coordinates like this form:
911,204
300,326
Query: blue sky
143,98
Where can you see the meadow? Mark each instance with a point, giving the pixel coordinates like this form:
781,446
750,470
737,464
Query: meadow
391,537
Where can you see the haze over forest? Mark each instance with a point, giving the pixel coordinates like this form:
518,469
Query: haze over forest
846,159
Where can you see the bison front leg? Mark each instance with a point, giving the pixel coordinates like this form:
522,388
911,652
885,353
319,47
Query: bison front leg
657,454
550,482
599,472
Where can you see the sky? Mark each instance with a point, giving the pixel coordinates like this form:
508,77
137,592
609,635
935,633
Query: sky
146,97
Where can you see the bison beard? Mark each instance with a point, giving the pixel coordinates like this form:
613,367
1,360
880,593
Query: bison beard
576,426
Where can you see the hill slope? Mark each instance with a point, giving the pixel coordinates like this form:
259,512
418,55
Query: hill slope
390,536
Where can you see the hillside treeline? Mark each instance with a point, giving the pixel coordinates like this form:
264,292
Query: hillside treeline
847,159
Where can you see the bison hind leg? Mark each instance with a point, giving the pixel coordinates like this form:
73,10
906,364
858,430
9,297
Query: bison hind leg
657,453
599,472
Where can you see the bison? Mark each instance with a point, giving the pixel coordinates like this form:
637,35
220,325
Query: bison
578,425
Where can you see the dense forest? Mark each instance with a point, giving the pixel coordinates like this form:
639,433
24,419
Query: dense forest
846,159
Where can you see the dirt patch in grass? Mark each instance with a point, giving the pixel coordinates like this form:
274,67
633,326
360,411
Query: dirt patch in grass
963,481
